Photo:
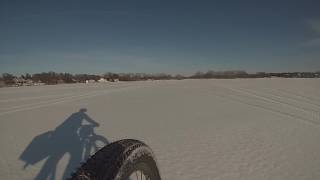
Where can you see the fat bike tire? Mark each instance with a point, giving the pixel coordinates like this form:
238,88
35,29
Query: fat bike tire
118,161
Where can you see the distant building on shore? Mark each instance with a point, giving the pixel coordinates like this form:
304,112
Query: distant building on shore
102,80
90,81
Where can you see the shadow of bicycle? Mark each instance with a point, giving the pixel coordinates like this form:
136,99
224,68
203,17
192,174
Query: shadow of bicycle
72,137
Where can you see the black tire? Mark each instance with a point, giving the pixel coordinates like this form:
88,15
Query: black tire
117,161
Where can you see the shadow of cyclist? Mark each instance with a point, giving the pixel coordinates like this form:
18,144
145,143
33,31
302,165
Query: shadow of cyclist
71,137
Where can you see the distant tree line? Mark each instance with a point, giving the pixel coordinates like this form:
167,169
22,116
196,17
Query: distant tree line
220,75
244,74
56,78
47,78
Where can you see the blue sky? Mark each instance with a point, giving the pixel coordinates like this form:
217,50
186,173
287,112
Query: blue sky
159,36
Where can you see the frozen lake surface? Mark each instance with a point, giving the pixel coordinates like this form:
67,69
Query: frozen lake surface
242,129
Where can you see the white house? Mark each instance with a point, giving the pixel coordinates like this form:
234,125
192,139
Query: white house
102,80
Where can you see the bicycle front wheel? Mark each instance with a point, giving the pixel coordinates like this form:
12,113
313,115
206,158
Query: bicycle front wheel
126,159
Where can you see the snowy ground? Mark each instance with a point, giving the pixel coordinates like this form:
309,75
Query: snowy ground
245,129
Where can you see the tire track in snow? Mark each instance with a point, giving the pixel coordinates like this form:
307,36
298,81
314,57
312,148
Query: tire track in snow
73,98
24,89
297,97
264,97
255,95
48,101
51,100
56,94
258,103
32,98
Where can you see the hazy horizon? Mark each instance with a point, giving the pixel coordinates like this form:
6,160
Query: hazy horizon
152,73
159,37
